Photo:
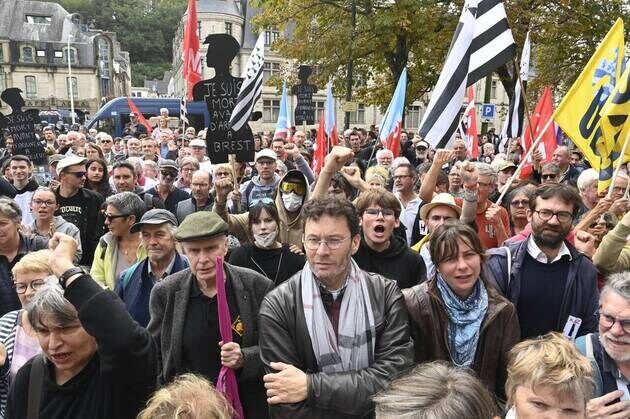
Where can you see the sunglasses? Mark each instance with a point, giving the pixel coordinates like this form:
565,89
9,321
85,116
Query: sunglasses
168,173
109,217
265,201
78,174
548,176
288,187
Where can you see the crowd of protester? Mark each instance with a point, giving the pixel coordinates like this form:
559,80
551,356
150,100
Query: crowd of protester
433,284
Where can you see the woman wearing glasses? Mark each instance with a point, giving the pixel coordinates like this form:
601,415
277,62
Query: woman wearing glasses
267,254
46,223
119,248
457,316
18,341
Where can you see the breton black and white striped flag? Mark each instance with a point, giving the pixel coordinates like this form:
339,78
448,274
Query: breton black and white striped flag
252,85
514,120
183,111
482,42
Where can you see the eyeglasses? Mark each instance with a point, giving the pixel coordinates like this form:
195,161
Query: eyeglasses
562,216
222,174
110,217
521,203
421,148
39,203
78,174
288,187
265,201
608,321
374,212
106,141
265,162
21,288
401,177
548,176
333,243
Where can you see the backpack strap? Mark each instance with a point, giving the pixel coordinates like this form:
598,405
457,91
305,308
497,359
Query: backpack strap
103,245
35,383
130,271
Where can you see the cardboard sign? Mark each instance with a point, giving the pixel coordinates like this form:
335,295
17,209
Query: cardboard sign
305,108
21,127
220,93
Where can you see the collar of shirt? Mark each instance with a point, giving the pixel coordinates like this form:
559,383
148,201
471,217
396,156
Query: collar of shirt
535,252
334,294
167,272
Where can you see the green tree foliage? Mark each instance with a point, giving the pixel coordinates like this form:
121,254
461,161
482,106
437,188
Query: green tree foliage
144,28
417,33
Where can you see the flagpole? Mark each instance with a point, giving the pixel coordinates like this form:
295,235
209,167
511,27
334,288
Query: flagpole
524,159
623,153
524,95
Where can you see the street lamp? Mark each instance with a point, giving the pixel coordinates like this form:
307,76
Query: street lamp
70,80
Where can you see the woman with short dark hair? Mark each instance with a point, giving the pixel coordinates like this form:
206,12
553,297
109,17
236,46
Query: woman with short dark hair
267,255
457,316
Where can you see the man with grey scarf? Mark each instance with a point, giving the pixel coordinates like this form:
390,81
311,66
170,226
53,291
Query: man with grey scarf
333,335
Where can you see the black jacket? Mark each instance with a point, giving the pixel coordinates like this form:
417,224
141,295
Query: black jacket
398,262
118,379
284,338
175,197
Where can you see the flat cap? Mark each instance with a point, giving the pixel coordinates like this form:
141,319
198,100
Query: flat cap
155,216
168,164
201,225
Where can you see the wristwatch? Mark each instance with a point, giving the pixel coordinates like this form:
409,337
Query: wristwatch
70,272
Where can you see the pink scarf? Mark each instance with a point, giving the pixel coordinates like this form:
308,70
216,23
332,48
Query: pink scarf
226,383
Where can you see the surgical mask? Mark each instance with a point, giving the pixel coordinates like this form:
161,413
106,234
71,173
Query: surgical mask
292,201
267,241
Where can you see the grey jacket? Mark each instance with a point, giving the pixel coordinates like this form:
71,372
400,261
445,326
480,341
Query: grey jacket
189,206
65,227
168,306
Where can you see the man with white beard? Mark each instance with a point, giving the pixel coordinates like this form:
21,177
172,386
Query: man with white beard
610,349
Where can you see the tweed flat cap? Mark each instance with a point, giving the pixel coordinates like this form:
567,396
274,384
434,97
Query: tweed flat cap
201,225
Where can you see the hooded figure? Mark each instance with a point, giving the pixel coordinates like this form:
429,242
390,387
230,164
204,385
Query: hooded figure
293,191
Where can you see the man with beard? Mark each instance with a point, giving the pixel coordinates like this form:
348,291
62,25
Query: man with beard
552,285
201,199
166,190
610,349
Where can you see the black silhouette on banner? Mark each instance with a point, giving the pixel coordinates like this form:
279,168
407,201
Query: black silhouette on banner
220,93
305,108
20,125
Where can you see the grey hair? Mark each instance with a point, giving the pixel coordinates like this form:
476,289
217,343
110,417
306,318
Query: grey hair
618,283
486,170
551,166
435,390
50,304
10,209
586,179
128,203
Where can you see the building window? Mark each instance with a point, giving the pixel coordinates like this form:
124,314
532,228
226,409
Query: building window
31,87
27,55
270,69
270,36
75,88
1,53
38,19
41,53
58,54
3,79
412,117
228,28
358,117
199,29
73,55
104,87
320,108
493,93
271,109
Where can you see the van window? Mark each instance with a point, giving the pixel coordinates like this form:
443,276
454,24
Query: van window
105,124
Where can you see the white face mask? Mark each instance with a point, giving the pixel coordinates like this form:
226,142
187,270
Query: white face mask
292,201
267,241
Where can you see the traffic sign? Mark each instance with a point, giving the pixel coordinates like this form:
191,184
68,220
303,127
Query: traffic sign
487,111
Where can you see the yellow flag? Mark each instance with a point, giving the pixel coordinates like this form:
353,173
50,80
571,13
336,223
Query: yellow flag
579,112
615,127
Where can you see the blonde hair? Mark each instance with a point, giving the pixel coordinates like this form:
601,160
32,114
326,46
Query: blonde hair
378,171
551,361
189,396
226,166
33,262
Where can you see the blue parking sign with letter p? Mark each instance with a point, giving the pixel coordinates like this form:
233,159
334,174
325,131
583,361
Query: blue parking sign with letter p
487,110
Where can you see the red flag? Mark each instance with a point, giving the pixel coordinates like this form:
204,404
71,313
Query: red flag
320,148
133,108
471,126
393,140
191,70
542,113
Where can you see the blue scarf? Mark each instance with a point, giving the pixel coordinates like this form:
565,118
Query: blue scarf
464,320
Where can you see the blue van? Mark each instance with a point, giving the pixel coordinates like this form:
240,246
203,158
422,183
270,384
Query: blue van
113,116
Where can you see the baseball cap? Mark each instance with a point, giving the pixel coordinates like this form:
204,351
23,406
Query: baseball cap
69,161
168,164
266,152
